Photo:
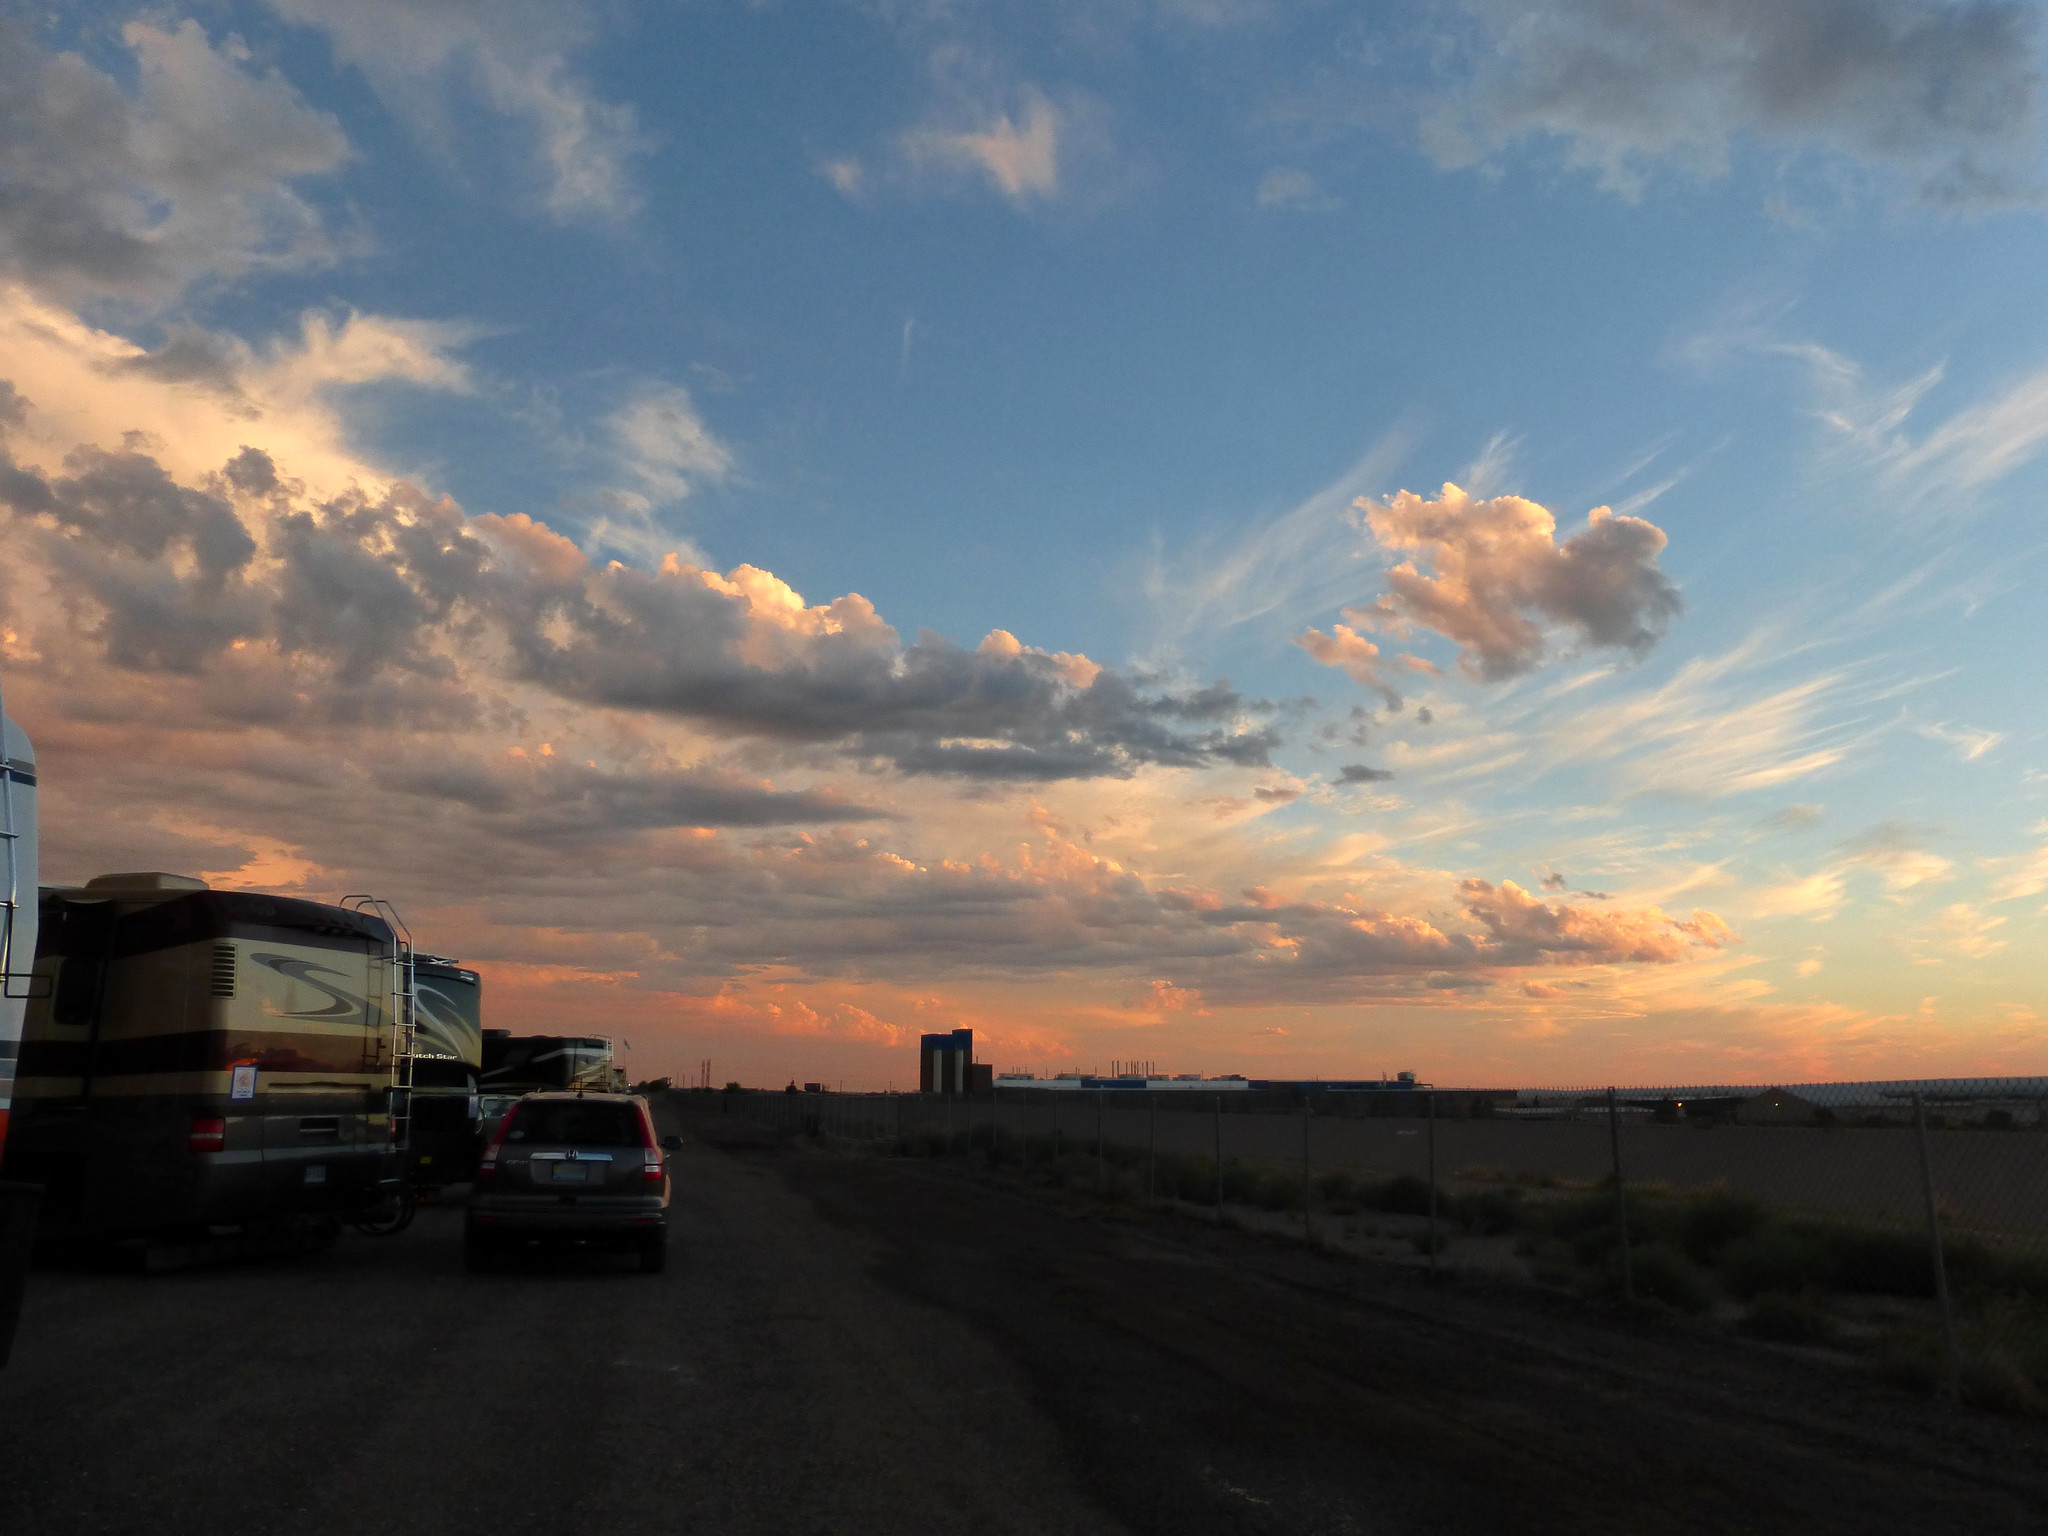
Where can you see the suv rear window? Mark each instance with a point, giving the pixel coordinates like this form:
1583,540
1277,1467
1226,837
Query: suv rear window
568,1123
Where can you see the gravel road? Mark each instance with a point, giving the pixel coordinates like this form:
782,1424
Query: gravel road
853,1345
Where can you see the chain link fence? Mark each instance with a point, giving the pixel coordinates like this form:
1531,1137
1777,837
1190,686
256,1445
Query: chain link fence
1903,1221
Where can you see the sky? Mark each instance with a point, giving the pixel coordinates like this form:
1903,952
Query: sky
1290,539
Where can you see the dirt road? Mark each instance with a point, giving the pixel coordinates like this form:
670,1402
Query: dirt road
854,1345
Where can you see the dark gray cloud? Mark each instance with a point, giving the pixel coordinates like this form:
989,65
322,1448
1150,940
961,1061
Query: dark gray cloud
1359,773
163,564
563,803
190,354
734,656
106,191
1945,93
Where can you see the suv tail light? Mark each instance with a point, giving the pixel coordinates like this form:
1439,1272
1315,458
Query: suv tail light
651,1171
487,1166
208,1134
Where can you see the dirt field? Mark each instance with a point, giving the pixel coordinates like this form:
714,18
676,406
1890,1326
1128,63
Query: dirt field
1990,1183
1206,1379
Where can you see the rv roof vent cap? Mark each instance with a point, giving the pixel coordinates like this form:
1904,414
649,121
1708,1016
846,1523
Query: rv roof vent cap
145,880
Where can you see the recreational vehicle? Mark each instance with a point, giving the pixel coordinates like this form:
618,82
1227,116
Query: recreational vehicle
447,1059
17,956
195,1059
536,1063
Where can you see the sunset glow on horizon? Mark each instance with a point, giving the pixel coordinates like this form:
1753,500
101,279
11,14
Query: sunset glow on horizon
1263,541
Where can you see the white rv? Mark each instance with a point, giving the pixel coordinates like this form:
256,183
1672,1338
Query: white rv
17,961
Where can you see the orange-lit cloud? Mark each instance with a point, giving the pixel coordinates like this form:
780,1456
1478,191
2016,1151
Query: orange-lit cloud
1498,576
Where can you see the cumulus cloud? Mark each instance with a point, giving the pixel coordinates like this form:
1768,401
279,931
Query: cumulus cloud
365,588
201,395
1942,93
108,192
1163,997
1525,925
1499,576
514,58
1018,154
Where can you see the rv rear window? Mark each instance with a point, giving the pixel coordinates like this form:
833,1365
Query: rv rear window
567,1123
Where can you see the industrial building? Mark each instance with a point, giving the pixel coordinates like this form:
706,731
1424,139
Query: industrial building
1072,1082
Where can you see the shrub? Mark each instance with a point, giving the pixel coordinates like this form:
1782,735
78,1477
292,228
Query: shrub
1271,1190
1774,1258
1550,1259
1580,1214
1339,1194
1879,1263
1714,1219
1490,1212
1402,1195
1662,1273
2004,1356
1785,1318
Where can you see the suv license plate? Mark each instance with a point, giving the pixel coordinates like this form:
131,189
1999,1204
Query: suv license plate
572,1173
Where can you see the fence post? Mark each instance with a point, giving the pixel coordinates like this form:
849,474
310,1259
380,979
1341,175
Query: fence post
1431,1107
1950,1384
1151,1150
1628,1275
1219,1159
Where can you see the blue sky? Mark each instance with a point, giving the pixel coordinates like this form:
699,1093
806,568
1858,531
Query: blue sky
1106,326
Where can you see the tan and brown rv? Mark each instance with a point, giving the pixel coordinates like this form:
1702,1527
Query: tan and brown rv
196,1059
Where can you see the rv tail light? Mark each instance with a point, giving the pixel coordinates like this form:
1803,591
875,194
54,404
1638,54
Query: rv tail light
207,1134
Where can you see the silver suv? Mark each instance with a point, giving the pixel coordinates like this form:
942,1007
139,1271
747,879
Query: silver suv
572,1168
